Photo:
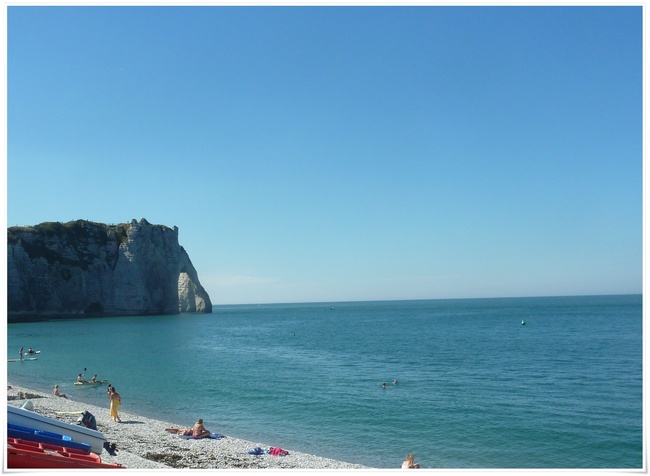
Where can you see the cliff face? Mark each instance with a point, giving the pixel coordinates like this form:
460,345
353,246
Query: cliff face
83,268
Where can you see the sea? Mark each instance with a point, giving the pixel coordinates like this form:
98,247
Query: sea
543,382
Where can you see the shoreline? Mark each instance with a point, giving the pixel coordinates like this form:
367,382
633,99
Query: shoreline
143,443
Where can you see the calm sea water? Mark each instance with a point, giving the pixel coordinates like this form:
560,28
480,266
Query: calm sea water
475,388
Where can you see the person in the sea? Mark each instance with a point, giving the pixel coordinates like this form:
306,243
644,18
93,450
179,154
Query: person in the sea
80,378
199,431
21,353
94,379
30,351
383,385
408,462
56,392
115,400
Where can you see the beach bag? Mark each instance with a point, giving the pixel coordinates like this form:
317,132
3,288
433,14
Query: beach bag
88,420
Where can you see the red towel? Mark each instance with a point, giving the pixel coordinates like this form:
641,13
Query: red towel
278,452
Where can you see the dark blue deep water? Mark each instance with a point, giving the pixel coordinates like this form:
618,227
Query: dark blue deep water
475,388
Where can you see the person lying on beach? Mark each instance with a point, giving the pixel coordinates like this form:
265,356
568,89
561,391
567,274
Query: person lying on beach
197,431
179,431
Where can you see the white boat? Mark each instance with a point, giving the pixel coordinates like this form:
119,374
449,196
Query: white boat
78,433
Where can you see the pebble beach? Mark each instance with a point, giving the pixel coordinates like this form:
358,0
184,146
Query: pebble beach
143,443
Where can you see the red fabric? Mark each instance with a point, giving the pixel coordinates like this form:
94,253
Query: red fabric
278,452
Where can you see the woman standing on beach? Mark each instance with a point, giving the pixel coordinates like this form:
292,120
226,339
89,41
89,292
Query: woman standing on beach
115,399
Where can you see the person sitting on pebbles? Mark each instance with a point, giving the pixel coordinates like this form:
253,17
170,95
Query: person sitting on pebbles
197,431
408,462
56,392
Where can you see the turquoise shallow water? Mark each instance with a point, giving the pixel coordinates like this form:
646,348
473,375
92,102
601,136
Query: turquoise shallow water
476,389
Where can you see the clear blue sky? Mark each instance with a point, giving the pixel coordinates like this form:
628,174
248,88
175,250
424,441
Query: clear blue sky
342,153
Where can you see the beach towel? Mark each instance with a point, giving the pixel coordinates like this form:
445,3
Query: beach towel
277,451
256,451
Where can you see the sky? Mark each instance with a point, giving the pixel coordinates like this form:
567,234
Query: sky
340,153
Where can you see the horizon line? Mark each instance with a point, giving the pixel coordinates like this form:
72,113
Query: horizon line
426,299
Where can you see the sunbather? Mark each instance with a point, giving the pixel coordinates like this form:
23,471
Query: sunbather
179,431
56,392
408,462
199,431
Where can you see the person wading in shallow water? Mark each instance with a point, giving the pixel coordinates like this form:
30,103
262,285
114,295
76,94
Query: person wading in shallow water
116,400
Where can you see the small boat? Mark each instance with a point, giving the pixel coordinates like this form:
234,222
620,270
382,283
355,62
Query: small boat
41,436
32,454
24,359
95,383
78,433
33,352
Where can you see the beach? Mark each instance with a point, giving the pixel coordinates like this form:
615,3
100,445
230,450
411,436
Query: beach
143,443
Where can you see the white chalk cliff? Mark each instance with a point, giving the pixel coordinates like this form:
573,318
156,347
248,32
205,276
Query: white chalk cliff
82,268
